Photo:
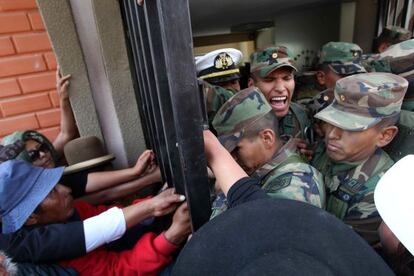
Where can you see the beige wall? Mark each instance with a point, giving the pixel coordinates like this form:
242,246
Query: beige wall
365,23
92,49
305,31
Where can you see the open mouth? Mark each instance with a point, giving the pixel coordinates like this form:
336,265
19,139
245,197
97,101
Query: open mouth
279,102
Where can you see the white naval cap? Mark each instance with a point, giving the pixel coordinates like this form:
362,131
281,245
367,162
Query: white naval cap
218,63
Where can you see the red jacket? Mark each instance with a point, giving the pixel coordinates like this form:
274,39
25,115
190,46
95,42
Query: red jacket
149,255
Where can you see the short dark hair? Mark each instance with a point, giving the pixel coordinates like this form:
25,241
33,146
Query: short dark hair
268,121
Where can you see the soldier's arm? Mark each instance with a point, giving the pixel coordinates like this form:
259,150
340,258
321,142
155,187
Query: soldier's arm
226,170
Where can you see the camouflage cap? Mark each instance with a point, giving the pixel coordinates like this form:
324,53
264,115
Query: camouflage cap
342,57
400,61
265,62
363,100
237,114
397,59
395,34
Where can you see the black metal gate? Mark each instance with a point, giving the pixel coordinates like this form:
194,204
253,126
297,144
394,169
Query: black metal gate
162,63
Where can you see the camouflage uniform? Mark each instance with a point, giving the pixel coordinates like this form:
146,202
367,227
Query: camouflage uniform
306,87
361,101
263,63
285,175
215,97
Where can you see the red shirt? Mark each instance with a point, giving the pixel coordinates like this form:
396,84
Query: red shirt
150,254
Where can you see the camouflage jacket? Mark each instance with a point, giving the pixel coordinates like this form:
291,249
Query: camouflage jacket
295,122
286,175
215,97
350,192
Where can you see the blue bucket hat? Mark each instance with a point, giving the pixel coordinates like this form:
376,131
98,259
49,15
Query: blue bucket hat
22,188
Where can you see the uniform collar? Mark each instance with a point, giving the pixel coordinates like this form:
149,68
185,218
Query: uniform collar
281,155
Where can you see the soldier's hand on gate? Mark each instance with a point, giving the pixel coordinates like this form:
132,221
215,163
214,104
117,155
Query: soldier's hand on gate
165,202
62,84
140,2
145,163
180,228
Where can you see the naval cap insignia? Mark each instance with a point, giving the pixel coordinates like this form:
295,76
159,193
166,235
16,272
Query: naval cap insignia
223,61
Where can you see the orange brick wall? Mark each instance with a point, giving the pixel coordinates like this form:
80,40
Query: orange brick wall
28,97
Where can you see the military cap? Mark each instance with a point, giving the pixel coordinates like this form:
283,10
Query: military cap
395,34
265,62
342,57
397,59
363,100
237,114
219,65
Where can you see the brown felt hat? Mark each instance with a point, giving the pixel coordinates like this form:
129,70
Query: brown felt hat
85,153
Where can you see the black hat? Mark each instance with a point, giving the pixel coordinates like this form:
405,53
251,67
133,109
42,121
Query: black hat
277,237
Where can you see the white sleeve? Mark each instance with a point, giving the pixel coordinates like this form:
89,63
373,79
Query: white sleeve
104,228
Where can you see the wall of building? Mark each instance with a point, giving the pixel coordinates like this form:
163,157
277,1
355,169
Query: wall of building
28,96
365,23
305,31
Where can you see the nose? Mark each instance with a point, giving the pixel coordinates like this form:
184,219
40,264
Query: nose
278,86
42,154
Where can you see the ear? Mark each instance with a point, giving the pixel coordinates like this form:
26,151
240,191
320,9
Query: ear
250,82
386,135
32,220
320,77
268,138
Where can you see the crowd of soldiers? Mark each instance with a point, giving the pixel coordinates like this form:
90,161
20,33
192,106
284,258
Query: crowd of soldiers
326,142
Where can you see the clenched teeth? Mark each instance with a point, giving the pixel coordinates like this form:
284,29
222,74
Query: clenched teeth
283,98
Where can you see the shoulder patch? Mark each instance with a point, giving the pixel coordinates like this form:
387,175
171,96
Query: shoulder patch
278,184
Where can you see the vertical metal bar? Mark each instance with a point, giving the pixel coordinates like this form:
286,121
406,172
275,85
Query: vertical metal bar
407,8
136,77
154,98
176,78
161,41
156,55
143,81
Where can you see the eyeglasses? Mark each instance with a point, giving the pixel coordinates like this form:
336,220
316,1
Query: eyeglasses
35,154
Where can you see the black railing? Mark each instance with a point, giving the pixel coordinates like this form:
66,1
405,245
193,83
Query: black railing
161,58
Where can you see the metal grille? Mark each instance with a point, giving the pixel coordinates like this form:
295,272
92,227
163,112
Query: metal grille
161,58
